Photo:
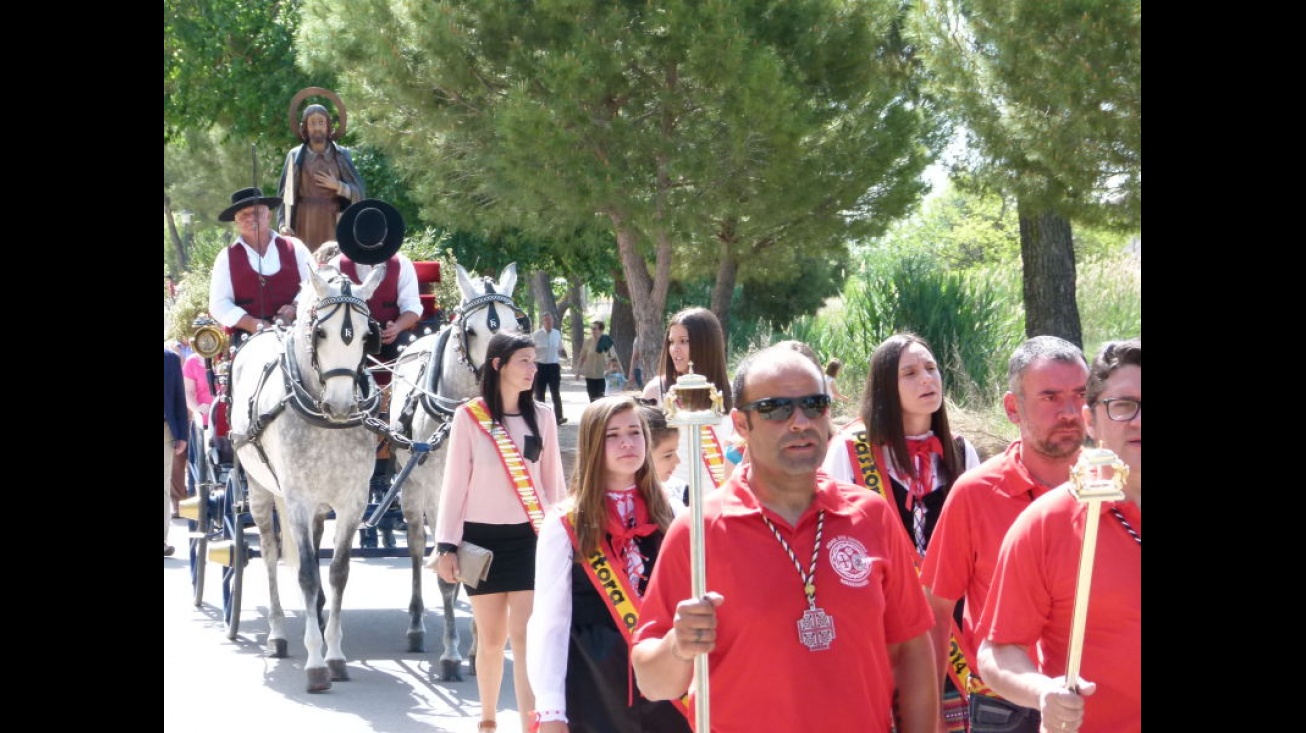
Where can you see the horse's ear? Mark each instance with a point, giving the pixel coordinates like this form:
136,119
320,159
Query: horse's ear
371,282
508,280
319,282
465,283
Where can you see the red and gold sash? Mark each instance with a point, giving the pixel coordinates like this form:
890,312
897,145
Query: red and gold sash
621,600
512,461
867,459
713,457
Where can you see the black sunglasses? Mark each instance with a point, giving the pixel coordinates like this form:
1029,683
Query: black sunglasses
781,408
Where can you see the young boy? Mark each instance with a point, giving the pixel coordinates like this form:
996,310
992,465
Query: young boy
615,377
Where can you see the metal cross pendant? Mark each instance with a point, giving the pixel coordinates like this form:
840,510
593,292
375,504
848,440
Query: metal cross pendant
815,629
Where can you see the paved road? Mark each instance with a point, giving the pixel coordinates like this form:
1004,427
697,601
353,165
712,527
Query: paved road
220,685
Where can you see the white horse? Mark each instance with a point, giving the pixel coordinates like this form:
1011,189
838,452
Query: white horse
298,400
432,377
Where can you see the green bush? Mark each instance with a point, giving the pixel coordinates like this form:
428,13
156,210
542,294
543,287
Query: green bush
1110,295
966,318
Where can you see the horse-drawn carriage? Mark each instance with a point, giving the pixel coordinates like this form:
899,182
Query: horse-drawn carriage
292,444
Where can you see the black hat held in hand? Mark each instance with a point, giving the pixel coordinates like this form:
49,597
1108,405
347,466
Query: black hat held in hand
370,231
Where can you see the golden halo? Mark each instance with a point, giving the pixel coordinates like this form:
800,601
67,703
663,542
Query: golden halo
307,92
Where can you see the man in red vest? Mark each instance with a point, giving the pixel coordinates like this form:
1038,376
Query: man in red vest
255,281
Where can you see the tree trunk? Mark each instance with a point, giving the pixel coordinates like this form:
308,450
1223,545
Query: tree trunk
542,293
576,303
1048,255
622,326
648,294
178,245
723,292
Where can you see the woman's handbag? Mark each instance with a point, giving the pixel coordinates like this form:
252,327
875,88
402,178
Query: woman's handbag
473,563
995,715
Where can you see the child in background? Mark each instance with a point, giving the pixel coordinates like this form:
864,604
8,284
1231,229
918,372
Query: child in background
665,442
615,377
831,373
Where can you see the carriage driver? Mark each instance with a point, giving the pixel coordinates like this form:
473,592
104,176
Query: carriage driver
255,281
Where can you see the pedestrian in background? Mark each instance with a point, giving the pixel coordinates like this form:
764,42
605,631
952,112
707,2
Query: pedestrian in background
175,431
592,363
548,352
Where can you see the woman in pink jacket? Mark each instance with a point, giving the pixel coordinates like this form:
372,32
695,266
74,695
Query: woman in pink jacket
503,472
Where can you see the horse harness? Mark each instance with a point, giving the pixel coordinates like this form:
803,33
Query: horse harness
427,390
309,408
428,395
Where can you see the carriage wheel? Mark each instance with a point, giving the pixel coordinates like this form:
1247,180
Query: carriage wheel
202,516
234,570
199,543
233,578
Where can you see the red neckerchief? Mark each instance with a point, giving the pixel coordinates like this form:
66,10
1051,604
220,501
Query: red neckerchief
922,452
622,527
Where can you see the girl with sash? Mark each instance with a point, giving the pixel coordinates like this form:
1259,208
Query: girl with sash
694,336
902,446
596,553
502,473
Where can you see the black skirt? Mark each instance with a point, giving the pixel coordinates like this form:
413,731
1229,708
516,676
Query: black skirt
513,567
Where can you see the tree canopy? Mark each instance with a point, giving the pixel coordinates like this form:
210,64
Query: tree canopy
748,132
1050,95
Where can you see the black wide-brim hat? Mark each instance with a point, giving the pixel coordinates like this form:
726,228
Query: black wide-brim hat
244,198
370,231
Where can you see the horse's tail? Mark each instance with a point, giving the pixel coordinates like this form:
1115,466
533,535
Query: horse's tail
289,551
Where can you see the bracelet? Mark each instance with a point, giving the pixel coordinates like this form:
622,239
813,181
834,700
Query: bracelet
549,716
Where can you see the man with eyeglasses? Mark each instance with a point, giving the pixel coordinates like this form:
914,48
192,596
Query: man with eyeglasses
814,613
1028,612
1046,378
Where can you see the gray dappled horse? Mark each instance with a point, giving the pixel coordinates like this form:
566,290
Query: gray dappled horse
432,377
299,396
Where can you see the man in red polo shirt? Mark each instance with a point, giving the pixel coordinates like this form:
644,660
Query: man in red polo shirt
814,611
255,281
1028,613
1046,378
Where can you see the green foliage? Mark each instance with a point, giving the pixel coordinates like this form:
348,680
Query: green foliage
966,318
754,132
1110,294
193,287
1050,94
231,63
963,229
973,319
431,245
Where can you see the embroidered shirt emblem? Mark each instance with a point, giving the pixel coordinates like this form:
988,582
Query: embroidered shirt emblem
850,560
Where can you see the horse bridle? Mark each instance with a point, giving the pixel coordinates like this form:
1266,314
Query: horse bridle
427,392
492,321
353,303
323,310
